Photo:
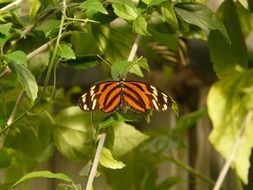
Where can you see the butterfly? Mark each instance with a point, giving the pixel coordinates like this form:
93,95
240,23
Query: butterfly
110,96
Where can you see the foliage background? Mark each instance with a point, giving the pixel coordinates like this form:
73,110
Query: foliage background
49,56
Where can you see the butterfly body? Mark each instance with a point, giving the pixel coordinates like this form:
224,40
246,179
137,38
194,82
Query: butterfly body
113,95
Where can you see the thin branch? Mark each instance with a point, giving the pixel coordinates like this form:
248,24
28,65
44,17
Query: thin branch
96,161
229,161
44,47
5,72
39,50
14,110
134,48
11,5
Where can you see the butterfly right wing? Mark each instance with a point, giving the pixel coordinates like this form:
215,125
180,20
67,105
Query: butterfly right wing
105,96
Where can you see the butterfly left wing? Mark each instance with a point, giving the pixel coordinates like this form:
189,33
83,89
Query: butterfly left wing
142,97
104,96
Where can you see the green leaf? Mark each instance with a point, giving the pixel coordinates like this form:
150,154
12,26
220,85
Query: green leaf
94,5
140,26
120,68
35,6
73,134
169,14
44,174
201,16
126,138
18,57
245,18
153,2
5,29
65,51
25,78
124,9
49,27
228,57
4,32
107,160
229,101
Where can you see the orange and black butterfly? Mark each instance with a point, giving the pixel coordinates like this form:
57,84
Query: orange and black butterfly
113,95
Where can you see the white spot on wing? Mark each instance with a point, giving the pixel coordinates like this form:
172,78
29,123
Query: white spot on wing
92,90
154,90
155,104
85,107
84,98
165,107
155,97
94,104
93,96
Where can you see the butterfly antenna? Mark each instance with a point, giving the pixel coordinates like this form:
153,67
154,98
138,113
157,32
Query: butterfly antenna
105,61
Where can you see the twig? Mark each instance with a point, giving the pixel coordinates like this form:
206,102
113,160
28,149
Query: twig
44,47
134,48
11,5
39,50
95,162
229,161
14,110
5,72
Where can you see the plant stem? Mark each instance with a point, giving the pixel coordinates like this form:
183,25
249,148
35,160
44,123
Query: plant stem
5,72
96,161
50,67
11,5
14,110
230,159
134,48
191,170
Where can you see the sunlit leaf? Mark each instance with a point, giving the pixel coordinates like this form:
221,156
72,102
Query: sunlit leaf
124,9
65,51
107,160
94,5
25,78
140,26
17,56
43,174
4,32
153,2
227,57
169,14
34,8
5,28
229,101
126,138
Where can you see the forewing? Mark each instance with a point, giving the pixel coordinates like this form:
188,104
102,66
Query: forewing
103,96
142,97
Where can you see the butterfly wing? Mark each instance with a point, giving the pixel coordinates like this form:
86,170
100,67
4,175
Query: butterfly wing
105,96
142,97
